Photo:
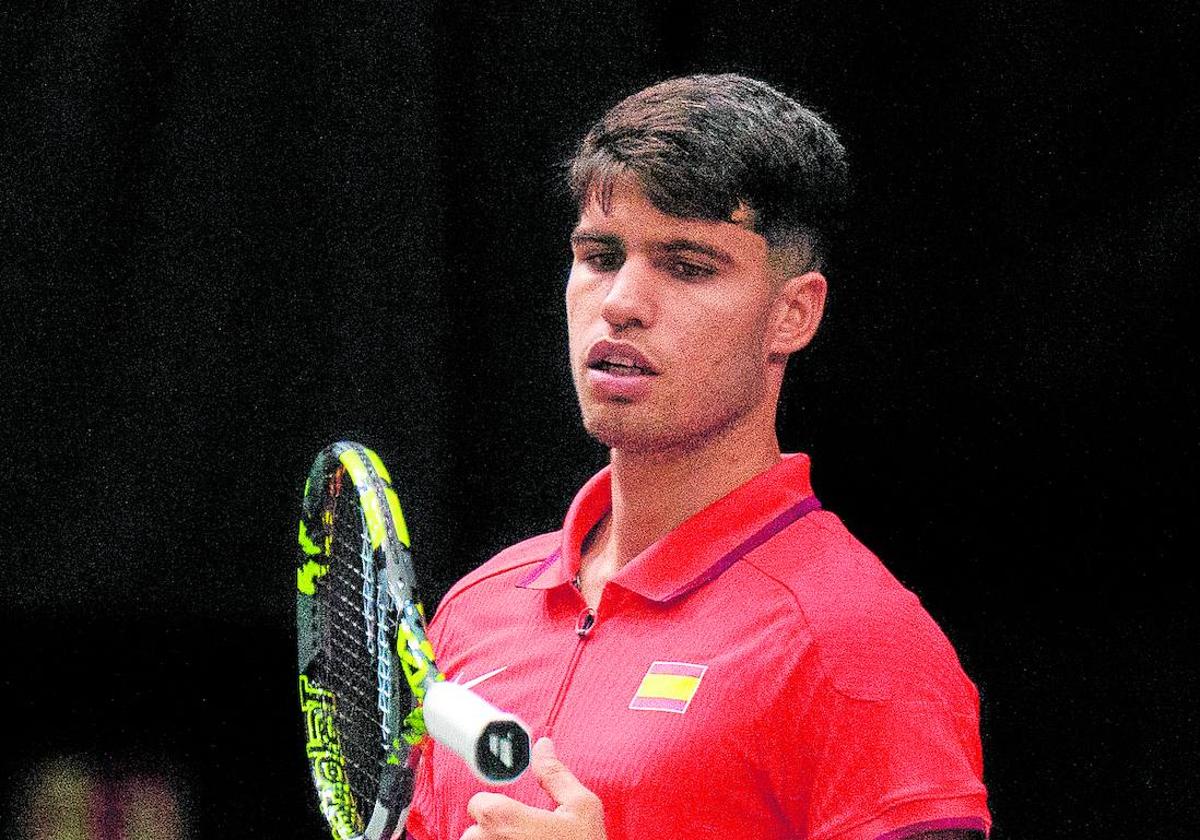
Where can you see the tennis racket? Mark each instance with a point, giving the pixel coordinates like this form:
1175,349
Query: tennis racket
370,689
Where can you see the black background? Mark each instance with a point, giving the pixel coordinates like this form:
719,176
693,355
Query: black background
232,233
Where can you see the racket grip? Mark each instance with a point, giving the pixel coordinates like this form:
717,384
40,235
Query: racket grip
494,744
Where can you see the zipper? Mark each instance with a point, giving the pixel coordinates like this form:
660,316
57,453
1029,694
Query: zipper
583,629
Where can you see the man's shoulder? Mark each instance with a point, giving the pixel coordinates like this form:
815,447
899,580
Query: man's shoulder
824,566
509,565
872,634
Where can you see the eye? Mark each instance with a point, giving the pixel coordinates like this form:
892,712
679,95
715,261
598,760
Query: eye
603,261
691,270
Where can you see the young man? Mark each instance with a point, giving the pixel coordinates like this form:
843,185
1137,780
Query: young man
701,650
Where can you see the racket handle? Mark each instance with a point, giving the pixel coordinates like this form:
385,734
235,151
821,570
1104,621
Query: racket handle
494,744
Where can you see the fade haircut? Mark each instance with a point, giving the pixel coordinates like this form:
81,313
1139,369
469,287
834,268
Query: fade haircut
723,148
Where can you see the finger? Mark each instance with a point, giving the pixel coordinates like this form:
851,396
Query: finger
498,815
489,809
559,782
473,833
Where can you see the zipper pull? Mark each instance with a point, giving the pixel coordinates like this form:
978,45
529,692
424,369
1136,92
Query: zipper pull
583,626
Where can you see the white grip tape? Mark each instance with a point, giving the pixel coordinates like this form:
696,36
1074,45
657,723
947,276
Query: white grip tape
494,744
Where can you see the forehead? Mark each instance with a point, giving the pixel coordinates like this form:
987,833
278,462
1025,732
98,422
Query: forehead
634,220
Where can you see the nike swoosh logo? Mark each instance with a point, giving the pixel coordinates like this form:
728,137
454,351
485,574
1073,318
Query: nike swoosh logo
482,677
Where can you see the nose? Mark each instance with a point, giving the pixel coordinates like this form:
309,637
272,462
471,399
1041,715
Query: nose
629,300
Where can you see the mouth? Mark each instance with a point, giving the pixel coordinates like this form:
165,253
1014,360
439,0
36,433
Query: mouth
619,359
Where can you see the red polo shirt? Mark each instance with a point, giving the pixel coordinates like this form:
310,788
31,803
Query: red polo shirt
757,672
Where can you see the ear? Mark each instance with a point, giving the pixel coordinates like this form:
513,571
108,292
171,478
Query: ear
797,313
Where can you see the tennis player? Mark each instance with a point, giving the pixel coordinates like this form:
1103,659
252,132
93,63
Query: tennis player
702,651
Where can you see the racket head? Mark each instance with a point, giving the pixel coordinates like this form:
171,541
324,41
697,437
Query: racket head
355,585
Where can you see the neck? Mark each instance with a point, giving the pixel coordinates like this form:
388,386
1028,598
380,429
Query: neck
653,492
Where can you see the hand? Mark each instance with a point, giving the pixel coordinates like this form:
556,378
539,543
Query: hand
579,815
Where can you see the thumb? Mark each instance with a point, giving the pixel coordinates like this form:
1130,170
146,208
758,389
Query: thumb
556,779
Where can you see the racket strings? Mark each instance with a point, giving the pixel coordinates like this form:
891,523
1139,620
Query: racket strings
350,642
347,659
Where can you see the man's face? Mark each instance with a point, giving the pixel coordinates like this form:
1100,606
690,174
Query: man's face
668,321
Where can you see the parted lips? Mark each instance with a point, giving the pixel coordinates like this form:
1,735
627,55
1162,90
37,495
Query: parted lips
619,357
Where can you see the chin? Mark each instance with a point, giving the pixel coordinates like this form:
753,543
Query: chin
648,429
643,438
618,432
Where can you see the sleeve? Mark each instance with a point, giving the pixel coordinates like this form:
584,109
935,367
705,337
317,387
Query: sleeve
891,735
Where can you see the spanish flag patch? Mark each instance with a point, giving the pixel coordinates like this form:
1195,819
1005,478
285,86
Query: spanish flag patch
668,687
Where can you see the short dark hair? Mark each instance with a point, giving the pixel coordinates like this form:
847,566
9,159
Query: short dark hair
707,146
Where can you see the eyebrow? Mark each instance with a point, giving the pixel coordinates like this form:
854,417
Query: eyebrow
699,248
671,246
581,237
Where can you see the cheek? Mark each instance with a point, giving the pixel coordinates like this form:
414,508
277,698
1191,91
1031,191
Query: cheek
728,337
578,311
730,353
579,290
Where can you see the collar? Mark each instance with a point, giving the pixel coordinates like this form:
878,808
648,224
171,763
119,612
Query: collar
700,548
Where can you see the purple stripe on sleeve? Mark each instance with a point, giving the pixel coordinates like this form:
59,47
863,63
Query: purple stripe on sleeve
948,824
796,511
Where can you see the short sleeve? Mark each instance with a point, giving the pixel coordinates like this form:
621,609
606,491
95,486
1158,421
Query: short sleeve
891,734
888,764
